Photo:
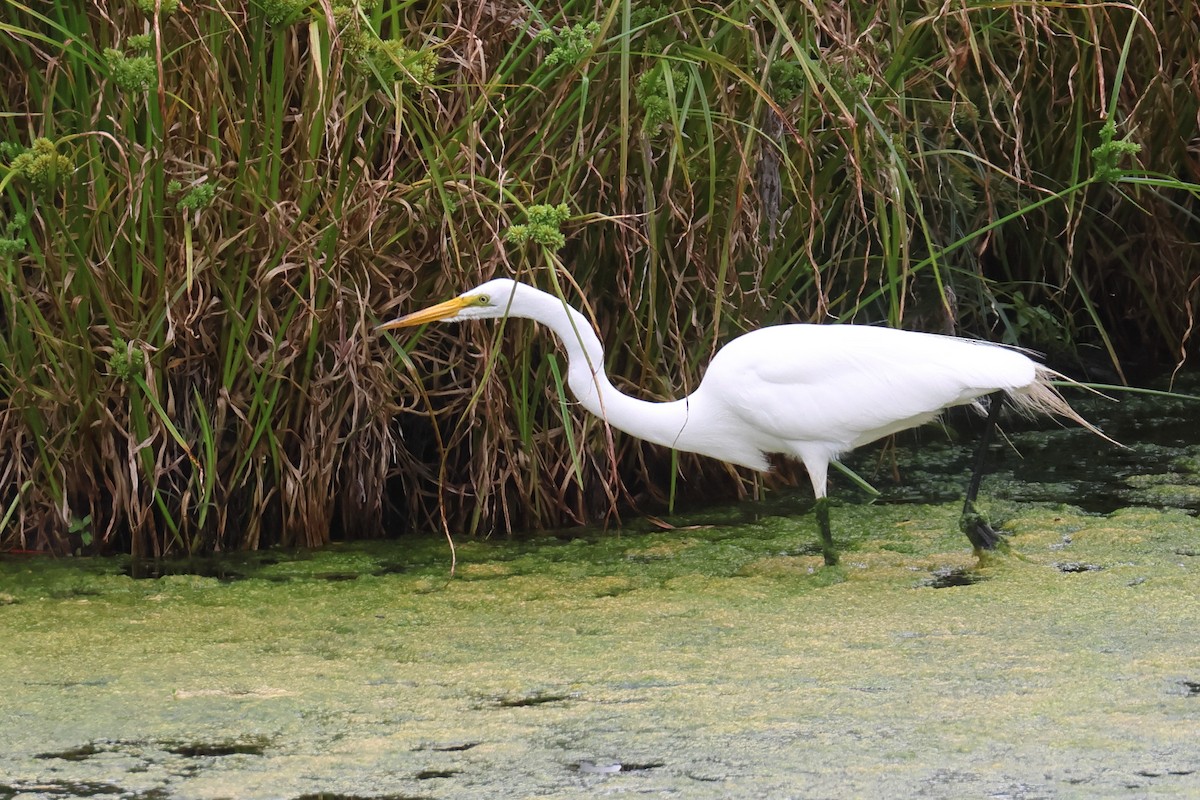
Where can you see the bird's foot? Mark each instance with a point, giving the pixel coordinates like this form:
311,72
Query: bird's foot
979,531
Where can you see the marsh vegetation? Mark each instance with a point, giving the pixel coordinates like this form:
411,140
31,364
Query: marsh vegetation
206,207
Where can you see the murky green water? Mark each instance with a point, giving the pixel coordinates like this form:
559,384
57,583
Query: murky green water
719,659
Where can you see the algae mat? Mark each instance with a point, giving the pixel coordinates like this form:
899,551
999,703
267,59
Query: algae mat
708,661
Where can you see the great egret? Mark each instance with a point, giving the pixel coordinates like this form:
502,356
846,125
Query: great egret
811,392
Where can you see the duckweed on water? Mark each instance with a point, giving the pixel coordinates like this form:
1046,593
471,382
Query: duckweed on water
726,656
719,658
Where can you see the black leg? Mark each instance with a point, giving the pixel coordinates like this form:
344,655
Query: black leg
973,524
827,550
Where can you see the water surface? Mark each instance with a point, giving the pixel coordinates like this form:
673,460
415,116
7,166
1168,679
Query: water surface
717,659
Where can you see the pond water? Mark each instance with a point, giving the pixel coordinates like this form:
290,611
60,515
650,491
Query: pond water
716,659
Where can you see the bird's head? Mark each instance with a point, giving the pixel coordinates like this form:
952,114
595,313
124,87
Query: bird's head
490,300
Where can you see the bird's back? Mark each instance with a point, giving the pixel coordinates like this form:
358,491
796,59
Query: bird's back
846,385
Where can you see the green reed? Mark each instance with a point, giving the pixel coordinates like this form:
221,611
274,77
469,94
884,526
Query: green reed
206,210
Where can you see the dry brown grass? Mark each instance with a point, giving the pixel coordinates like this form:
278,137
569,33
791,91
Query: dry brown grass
928,165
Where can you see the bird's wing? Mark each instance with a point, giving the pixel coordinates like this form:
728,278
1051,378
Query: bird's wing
847,385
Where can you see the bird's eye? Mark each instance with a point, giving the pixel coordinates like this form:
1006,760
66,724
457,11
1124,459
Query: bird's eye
483,300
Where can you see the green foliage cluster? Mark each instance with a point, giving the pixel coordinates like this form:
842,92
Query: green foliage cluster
571,44
133,74
12,243
659,92
389,60
722,166
198,197
42,165
787,81
127,360
357,39
282,13
648,23
542,228
1110,152
164,7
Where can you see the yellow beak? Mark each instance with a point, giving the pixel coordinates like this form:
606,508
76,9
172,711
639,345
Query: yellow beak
431,314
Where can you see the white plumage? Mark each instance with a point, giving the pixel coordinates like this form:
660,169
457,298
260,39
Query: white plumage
811,392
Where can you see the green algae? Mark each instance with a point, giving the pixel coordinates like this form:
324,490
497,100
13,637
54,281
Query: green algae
713,660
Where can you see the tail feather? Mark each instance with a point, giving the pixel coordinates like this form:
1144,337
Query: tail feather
1042,397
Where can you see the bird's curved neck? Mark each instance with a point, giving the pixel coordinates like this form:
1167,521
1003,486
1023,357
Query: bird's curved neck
660,423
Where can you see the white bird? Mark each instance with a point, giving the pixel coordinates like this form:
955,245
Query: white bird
812,392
